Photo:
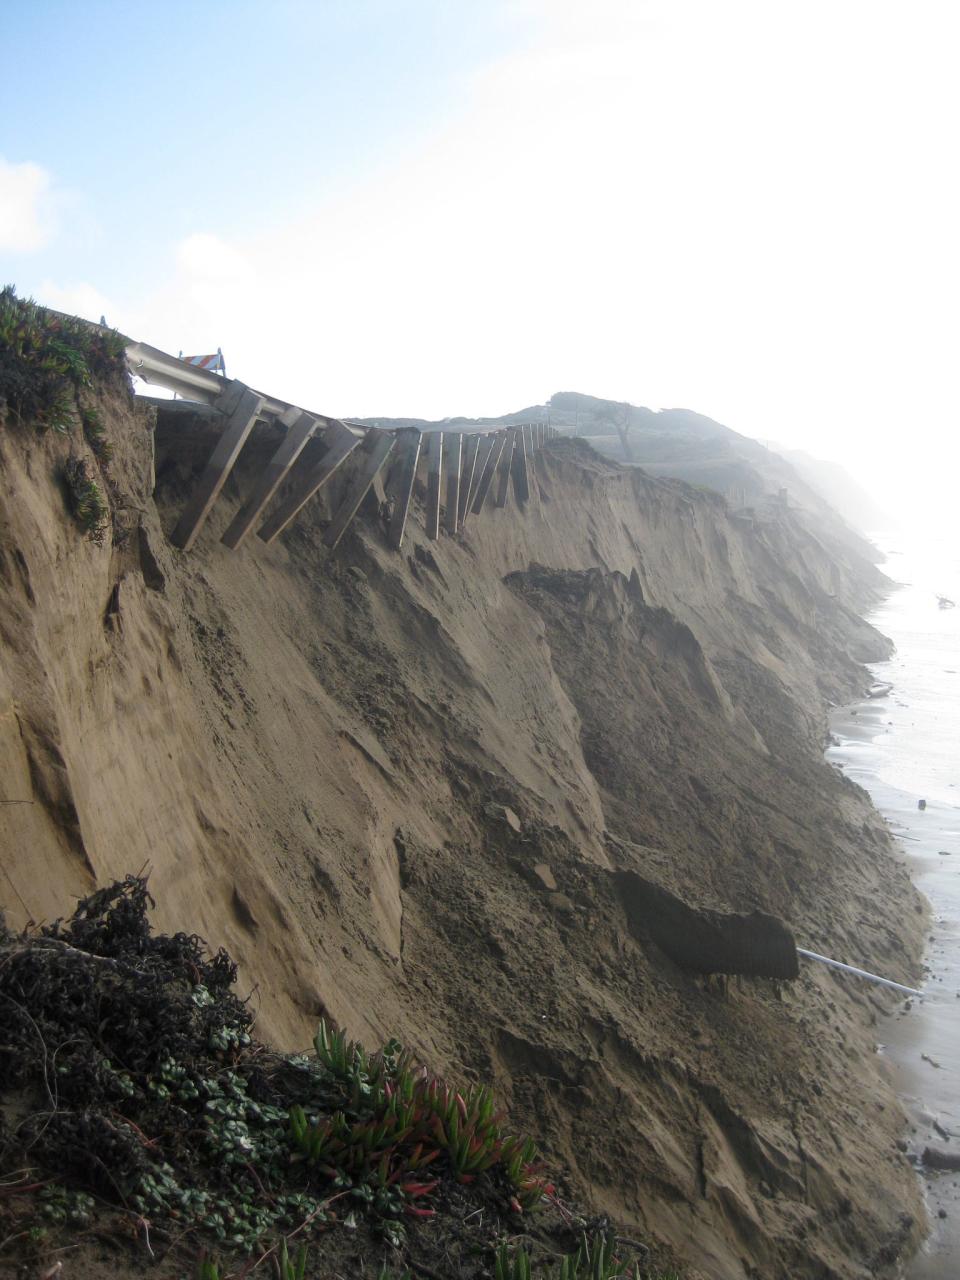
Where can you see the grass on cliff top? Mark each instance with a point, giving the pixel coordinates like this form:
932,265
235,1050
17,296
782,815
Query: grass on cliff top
135,1103
47,363
45,358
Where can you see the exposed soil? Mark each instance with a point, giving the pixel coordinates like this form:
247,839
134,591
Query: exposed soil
315,754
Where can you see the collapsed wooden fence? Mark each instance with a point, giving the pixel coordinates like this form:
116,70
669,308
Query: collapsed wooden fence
465,471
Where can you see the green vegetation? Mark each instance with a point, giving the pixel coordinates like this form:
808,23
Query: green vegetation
143,1099
594,1259
393,1120
86,500
287,1268
46,361
96,433
58,1204
46,358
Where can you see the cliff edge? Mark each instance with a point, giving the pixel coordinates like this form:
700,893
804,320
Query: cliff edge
403,791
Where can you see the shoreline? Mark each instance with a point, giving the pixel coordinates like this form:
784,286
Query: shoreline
920,1040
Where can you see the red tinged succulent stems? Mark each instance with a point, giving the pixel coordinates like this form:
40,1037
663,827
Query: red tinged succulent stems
414,1189
417,1159
409,1121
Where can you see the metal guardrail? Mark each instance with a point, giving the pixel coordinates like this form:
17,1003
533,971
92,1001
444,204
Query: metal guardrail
156,366
469,462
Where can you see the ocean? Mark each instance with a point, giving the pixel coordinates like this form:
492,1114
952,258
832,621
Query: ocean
904,748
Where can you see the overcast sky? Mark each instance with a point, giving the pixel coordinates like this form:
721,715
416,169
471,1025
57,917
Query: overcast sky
428,207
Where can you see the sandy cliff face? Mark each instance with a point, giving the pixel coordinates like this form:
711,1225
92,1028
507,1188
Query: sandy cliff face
312,754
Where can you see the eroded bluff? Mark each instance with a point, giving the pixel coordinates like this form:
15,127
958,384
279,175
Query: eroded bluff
313,754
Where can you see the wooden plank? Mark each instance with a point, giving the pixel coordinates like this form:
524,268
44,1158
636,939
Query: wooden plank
467,477
487,470
238,426
506,466
340,442
453,448
402,485
434,483
380,449
300,429
521,482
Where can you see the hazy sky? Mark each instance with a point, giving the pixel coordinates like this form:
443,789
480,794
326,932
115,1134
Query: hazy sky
745,207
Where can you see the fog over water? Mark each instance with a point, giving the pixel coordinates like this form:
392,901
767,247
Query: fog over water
903,748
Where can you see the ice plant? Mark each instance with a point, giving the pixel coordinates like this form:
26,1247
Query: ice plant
392,1120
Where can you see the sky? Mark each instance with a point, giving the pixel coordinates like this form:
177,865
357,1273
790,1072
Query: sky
434,207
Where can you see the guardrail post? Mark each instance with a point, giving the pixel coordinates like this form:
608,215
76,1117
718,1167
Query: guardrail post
434,483
238,426
506,466
453,447
533,483
467,478
378,451
300,428
521,483
497,443
340,443
403,484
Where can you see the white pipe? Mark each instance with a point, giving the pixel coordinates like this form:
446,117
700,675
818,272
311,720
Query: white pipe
860,973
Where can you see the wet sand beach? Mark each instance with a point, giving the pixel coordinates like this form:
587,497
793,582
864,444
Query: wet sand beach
903,749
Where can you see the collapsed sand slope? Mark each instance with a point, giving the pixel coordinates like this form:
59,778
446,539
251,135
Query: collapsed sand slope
311,752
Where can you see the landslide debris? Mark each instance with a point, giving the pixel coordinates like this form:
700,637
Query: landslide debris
317,753
135,1103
